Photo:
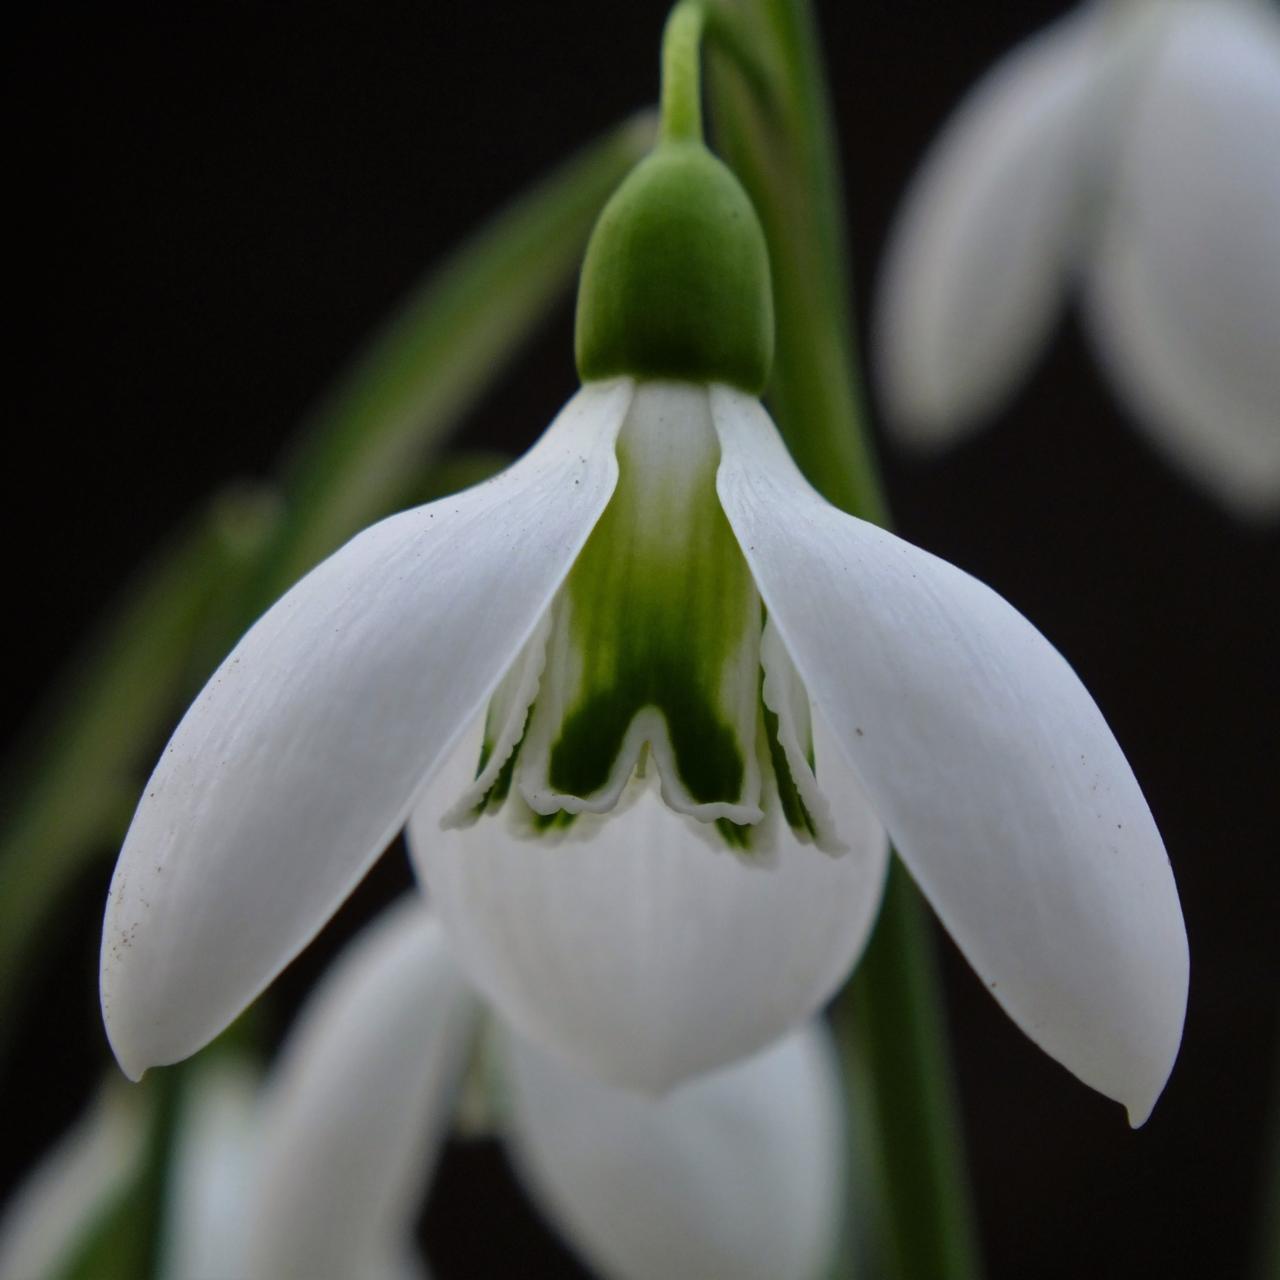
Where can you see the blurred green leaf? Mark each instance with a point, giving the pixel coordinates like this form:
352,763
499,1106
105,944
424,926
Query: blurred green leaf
774,127
460,470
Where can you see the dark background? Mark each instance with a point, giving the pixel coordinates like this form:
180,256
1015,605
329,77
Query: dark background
215,203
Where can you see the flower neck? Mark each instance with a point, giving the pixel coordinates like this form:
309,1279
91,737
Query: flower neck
676,281
681,73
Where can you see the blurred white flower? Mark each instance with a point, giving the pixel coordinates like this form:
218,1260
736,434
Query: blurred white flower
736,1174
62,1215
320,1175
79,1182
634,691
209,1178
1132,148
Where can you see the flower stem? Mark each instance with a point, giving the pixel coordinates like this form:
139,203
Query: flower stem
681,73
782,147
891,1024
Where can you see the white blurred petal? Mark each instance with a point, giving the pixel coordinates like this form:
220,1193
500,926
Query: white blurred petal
1184,288
999,781
737,1173
978,259
634,946
300,760
207,1197
359,1106
74,1187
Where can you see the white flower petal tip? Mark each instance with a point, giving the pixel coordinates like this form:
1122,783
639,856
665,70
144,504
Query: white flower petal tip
358,1106
738,1173
647,955
300,760
1000,783
1183,290
978,261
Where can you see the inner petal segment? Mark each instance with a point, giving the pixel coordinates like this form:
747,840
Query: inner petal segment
654,654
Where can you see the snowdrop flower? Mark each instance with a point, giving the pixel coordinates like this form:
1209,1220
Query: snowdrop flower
1130,148
737,1173
64,1211
209,1177
83,1178
649,700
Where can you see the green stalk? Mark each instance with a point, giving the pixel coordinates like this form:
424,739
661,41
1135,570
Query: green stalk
782,147
891,1026
681,78
781,144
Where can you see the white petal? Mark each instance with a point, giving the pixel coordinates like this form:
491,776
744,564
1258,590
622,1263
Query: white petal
359,1106
635,947
1184,293
978,260
1001,785
736,1174
207,1196
74,1187
301,758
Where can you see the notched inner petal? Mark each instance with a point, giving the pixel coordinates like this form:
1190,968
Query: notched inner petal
654,650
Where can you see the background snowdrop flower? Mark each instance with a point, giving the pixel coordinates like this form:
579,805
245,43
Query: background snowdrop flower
49,1219
209,1176
1130,147
78,1204
652,703
737,1173
358,1106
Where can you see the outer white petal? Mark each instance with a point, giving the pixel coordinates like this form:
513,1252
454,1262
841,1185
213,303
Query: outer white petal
1184,292
978,260
736,1174
73,1189
301,758
207,1198
636,949
1001,785
359,1106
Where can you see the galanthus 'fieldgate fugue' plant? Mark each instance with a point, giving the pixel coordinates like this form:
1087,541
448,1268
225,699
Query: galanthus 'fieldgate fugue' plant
1131,148
651,704
734,1174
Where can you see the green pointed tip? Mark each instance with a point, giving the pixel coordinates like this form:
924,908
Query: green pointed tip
676,282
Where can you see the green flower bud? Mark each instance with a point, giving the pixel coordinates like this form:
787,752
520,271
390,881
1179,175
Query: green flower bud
676,278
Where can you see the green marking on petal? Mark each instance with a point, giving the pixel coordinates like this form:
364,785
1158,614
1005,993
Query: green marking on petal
657,638
547,822
794,809
708,759
735,834
502,785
